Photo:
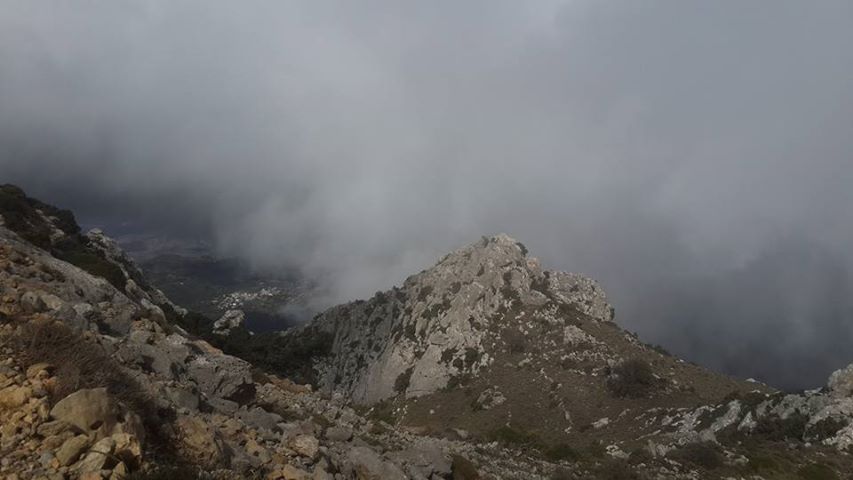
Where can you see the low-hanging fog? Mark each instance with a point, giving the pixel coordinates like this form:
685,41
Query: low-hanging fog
694,157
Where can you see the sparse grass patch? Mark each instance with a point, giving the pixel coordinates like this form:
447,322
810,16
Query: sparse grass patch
510,436
82,363
516,341
562,473
763,463
164,473
616,470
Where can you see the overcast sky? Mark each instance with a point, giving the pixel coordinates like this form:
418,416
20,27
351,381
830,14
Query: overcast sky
695,157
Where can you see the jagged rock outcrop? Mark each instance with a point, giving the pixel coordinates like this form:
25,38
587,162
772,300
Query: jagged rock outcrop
823,416
840,383
441,323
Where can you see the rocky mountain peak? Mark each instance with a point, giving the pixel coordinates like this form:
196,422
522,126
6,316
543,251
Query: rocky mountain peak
502,263
446,323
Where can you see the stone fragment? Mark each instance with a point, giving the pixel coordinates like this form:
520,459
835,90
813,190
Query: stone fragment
70,451
201,441
338,434
14,396
305,445
98,456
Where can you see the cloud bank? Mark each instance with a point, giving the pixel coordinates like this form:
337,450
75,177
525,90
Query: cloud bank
694,157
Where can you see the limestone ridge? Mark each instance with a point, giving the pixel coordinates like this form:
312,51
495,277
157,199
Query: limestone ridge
442,324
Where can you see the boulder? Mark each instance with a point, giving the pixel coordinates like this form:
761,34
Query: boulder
338,434
86,409
94,412
425,460
368,465
98,456
200,441
222,376
320,473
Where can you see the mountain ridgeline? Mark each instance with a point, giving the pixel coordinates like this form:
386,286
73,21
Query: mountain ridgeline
484,366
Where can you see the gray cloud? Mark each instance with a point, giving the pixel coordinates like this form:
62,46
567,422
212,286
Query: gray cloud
693,156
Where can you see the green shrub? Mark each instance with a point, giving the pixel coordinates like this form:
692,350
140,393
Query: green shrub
516,341
463,469
596,449
817,471
763,463
640,456
826,428
706,455
561,451
633,378
777,429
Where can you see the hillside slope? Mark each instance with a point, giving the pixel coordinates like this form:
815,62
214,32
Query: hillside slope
488,338
485,366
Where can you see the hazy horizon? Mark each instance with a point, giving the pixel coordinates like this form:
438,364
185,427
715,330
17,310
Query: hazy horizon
694,157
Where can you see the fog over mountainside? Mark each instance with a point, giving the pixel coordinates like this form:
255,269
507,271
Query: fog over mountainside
694,158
